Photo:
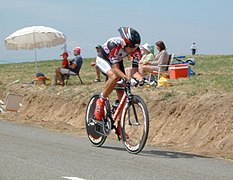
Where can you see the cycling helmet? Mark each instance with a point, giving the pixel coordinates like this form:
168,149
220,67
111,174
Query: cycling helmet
130,36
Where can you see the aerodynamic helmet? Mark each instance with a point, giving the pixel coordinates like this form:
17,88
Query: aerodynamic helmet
130,36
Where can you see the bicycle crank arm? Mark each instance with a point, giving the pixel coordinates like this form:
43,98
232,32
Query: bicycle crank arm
96,122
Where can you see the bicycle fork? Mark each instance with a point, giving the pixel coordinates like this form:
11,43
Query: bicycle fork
129,100
129,103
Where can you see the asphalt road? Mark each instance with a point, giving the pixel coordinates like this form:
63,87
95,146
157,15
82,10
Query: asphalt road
32,153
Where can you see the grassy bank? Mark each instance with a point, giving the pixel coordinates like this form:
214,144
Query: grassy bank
214,74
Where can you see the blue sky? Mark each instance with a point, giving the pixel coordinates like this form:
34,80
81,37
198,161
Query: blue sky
87,23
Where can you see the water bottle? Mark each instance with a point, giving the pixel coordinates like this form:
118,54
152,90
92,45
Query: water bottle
115,105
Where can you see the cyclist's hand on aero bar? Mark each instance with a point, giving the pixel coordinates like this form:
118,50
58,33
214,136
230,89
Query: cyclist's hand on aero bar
141,82
133,82
137,82
130,81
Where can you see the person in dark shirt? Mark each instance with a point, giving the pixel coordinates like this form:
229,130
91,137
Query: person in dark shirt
97,78
74,67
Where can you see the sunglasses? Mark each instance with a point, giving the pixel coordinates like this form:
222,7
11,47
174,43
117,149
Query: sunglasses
131,46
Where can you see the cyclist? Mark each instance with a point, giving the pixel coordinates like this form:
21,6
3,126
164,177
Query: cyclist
110,62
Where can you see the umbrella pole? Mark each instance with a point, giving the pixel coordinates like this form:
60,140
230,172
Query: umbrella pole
36,60
34,39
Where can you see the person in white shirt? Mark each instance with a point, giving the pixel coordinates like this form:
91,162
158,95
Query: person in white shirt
193,48
146,59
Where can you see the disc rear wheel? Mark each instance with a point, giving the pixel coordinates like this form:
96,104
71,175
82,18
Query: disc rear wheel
92,128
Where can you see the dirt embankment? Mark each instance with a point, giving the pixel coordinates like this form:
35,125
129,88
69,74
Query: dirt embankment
200,124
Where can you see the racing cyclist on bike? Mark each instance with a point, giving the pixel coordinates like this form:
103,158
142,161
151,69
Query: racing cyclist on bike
110,62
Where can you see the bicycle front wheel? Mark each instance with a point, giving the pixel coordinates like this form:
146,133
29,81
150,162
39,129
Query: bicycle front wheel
135,125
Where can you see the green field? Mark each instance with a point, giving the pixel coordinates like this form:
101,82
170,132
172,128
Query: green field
214,74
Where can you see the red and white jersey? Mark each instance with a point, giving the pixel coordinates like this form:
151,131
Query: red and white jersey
113,50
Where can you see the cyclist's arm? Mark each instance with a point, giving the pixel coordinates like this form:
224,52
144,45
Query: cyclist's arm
136,58
116,68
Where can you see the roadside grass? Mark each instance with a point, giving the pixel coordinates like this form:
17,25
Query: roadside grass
214,74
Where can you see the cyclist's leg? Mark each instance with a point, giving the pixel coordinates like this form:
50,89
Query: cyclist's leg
106,68
110,84
119,95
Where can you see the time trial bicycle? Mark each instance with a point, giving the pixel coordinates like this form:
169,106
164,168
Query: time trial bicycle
134,121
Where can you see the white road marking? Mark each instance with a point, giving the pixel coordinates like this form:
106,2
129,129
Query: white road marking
72,178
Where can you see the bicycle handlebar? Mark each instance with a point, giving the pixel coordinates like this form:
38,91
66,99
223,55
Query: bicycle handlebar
133,82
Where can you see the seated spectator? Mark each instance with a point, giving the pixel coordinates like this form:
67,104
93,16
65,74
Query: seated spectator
147,59
65,62
74,68
162,58
97,78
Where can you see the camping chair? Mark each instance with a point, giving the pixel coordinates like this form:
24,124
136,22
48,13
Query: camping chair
12,103
152,76
67,76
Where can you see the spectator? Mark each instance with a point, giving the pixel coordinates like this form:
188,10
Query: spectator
147,59
65,62
193,48
97,78
162,58
74,68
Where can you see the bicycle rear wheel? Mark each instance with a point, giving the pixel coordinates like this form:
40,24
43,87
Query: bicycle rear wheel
95,138
135,125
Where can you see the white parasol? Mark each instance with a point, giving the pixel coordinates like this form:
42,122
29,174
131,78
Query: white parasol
34,37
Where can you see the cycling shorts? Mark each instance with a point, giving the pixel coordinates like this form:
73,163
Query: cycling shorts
104,65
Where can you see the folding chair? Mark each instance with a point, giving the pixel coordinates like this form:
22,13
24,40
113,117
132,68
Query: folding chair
154,81
67,76
12,103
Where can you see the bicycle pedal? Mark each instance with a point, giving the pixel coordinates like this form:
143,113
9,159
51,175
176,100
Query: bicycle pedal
94,122
91,124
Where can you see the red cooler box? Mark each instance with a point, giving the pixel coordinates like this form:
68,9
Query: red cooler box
178,71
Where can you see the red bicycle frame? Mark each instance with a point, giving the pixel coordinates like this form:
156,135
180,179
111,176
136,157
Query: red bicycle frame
119,108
